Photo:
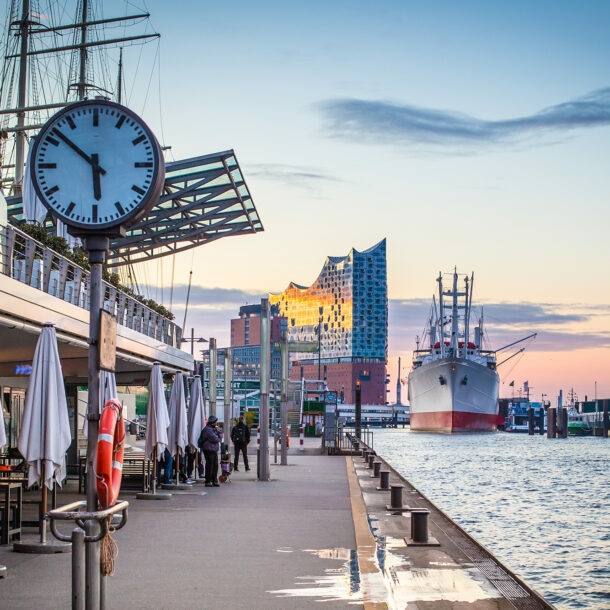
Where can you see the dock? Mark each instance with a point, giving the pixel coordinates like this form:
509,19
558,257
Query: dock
319,531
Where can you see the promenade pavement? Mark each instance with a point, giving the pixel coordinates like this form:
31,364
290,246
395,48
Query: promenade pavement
318,534
279,544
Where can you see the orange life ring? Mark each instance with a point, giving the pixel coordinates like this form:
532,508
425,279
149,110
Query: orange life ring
110,447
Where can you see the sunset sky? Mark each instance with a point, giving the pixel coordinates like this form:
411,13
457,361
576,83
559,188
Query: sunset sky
470,134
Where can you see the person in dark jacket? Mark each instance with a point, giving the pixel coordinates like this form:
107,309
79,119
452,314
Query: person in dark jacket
240,435
210,439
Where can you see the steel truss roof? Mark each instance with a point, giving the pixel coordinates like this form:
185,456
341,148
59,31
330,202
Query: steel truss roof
204,198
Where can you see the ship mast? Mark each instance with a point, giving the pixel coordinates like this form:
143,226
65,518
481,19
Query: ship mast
21,96
25,32
455,319
441,319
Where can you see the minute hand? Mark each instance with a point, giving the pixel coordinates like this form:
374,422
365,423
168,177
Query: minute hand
79,151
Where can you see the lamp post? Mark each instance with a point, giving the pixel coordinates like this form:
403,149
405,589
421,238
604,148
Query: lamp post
192,341
320,309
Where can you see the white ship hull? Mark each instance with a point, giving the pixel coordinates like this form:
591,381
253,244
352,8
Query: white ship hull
454,395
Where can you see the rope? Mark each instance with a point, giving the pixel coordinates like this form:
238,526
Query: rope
109,551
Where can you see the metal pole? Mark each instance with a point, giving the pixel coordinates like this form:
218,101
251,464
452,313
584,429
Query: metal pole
97,246
263,468
358,410
227,398
284,399
78,572
212,375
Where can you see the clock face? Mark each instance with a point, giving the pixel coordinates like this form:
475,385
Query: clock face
96,165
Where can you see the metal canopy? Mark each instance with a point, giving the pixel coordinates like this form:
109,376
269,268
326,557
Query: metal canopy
204,198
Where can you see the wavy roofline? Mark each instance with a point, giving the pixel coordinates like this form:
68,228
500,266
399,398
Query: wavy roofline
331,260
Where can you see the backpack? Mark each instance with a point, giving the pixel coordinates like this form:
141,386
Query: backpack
200,440
238,435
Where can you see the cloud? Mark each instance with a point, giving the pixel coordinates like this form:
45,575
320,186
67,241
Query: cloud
564,327
403,124
558,327
291,175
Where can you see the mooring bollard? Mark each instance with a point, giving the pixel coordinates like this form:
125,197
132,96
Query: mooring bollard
384,483
396,496
419,525
376,468
371,460
365,455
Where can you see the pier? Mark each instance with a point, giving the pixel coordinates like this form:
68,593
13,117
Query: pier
319,531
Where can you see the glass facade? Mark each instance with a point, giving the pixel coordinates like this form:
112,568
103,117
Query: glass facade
345,309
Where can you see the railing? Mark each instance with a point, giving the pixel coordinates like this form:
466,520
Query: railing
30,262
341,439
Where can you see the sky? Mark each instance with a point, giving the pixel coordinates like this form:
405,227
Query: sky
468,134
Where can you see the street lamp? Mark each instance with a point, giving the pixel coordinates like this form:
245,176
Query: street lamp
320,309
192,341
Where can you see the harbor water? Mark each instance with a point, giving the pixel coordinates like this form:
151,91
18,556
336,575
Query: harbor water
541,506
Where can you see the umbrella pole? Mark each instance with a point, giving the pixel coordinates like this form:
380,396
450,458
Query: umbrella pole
43,505
154,472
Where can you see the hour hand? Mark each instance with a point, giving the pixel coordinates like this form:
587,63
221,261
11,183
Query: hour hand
97,171
79,151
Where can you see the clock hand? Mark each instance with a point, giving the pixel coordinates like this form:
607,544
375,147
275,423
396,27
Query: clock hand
79,151
97,170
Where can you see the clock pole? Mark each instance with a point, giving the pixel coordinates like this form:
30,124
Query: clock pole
97,247
107,150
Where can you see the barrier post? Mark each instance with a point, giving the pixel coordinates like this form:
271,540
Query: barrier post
301,438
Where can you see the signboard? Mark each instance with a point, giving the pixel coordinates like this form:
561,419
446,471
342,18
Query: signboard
107,344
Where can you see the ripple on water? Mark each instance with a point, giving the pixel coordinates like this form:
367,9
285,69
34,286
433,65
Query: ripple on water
540,505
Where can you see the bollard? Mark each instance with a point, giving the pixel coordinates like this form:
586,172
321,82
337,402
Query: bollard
384,483
78,569
551,422
356,445
371,460
365,455
376,468
301,437
396,496
419,525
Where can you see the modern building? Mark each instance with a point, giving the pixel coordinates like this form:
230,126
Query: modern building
346,312
246,342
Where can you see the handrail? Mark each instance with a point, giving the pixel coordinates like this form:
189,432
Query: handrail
30,262
69,512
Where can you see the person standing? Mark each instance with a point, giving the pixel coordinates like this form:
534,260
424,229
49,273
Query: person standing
209,441
240,435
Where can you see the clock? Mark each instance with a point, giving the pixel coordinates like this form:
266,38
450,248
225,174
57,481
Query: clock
97,167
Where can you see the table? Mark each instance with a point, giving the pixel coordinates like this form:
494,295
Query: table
10,509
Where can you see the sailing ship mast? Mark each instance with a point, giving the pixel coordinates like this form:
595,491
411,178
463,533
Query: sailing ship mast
28,28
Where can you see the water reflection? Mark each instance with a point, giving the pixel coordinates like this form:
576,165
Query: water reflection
540,505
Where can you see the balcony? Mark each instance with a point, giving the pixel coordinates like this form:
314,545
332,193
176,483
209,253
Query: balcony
52,288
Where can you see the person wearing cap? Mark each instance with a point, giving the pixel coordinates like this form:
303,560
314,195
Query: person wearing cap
210,439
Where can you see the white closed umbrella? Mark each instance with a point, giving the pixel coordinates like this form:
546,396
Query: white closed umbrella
45,426
157,417
196,414
107,391
33,209
178,427
2,431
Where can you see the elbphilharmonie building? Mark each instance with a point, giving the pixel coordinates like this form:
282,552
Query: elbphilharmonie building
346,312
